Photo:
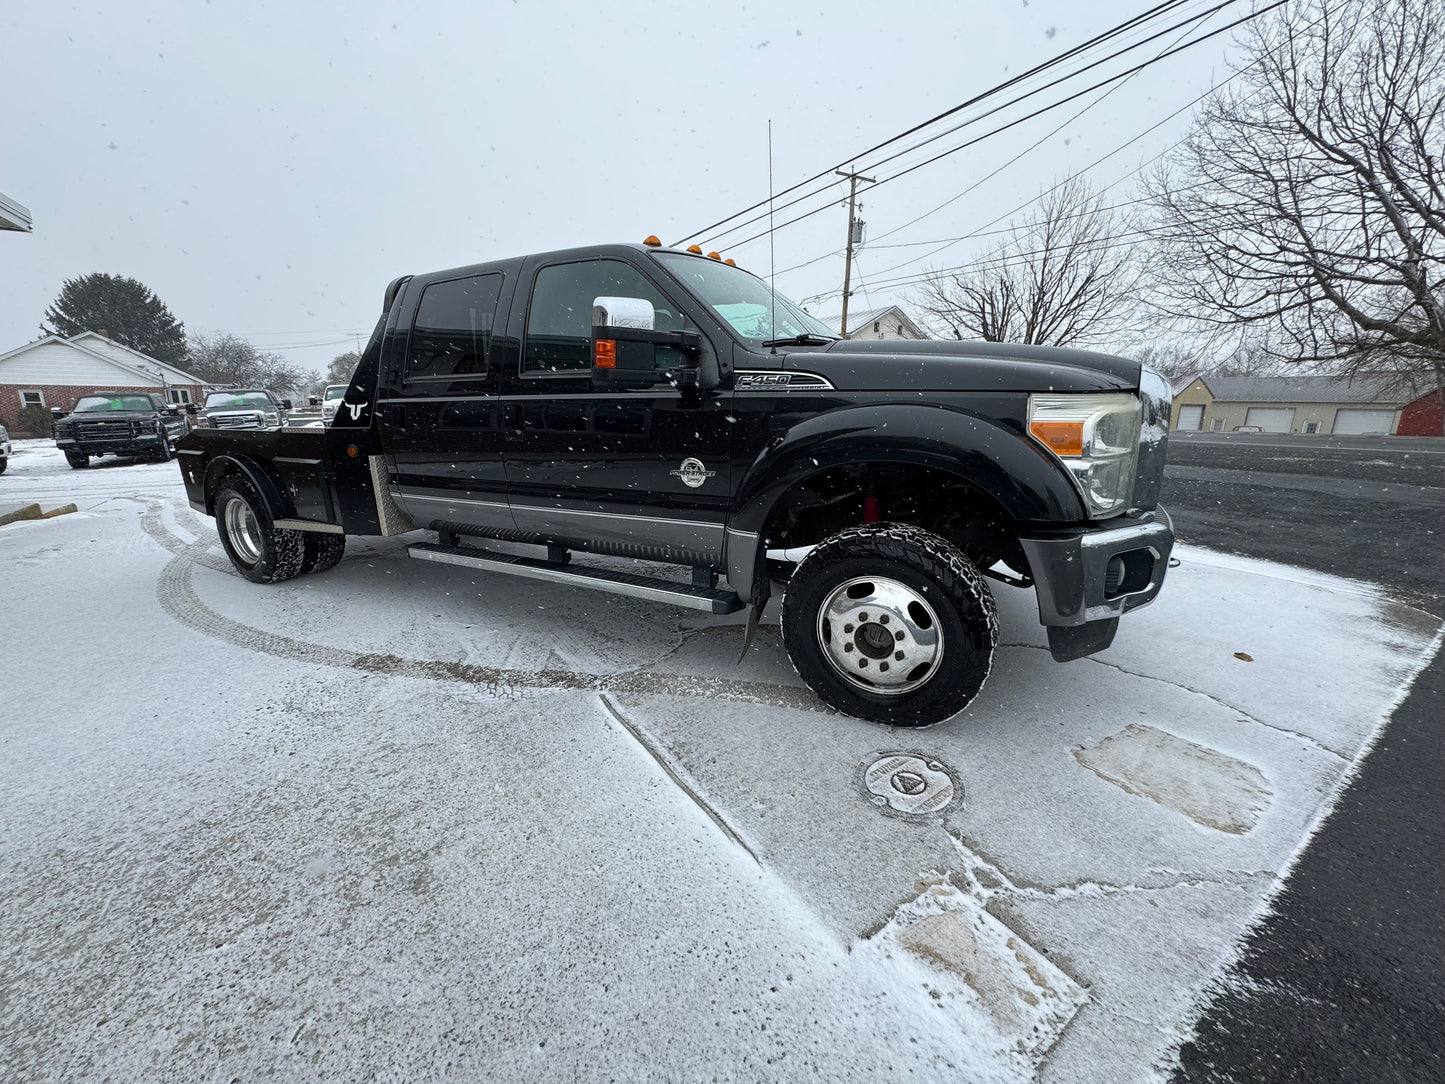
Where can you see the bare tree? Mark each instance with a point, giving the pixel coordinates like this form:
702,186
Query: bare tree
230,360
1306,209
1060,278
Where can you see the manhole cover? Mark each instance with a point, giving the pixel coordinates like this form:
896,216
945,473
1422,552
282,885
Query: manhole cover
910,783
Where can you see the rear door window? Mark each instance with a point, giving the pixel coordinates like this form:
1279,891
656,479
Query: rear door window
451,336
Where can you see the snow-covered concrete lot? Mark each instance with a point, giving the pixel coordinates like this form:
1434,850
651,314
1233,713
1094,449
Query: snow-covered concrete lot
406,821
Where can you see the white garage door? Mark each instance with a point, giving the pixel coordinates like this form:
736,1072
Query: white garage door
1355,422
1270,419
1191,417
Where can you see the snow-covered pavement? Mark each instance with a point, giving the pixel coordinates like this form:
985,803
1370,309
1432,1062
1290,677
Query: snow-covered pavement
408,821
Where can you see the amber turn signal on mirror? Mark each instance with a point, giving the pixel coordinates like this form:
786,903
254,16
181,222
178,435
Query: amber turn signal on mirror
604,354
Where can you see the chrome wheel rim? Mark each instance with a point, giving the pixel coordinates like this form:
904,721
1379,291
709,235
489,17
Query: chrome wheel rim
881,635
244,530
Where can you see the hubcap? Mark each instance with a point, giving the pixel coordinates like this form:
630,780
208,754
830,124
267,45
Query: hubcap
882,635
244,530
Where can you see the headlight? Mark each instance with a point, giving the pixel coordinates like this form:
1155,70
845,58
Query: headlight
1097,438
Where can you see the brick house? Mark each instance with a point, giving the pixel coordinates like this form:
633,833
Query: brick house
53,371
1425,416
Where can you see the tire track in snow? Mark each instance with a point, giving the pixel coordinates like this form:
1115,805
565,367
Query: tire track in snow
178,598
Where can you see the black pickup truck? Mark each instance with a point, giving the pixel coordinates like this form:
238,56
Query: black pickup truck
650,403
117,423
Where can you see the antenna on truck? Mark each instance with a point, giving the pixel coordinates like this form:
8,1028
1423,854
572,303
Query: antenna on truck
772,263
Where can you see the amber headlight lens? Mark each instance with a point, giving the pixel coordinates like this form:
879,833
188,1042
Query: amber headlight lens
1097,438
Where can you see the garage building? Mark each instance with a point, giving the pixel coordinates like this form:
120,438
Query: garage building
1327,405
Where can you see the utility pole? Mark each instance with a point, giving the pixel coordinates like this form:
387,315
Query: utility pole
853,179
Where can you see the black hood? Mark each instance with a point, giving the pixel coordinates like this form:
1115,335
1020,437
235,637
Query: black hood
944,365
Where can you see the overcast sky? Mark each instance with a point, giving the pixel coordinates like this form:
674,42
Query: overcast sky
268,168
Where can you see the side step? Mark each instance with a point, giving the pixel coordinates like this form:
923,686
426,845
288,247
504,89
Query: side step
715,600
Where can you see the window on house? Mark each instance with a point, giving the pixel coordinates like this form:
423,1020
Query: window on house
177,395
32,398
1216,425
1312,427
900,331
875,325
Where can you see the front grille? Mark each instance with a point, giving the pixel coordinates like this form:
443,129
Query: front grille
107,429
237,421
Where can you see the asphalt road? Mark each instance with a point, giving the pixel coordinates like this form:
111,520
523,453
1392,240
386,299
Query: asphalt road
1343,980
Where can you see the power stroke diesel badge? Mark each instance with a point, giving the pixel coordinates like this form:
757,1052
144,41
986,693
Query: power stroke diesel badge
692,473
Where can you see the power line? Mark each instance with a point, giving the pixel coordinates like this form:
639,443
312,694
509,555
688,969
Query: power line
1151,13
1190,24
716,239
1014,123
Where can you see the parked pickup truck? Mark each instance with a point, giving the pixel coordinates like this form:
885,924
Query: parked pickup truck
644,402
117,423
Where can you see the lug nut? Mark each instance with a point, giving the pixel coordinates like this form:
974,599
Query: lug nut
898,635
898,656
848,647
883,619
862,617
847,628
862,664
883,666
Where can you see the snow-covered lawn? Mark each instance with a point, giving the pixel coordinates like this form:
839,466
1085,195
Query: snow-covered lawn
416,822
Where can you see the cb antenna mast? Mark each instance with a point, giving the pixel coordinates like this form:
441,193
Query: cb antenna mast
772,263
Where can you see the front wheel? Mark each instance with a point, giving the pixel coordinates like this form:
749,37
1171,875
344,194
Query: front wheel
892,623
261,551
166,449
78,460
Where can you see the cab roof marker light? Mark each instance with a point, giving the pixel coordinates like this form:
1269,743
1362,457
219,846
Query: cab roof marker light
652,241
714,256
696,250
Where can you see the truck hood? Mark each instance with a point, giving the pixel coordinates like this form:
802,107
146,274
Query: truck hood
941,365
108,416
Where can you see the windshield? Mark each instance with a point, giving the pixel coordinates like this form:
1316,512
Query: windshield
336,391
90,403
743,300
239,400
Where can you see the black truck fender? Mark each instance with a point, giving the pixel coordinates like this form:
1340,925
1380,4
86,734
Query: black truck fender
1002,463
254,471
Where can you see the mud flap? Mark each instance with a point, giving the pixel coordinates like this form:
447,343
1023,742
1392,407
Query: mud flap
1067,643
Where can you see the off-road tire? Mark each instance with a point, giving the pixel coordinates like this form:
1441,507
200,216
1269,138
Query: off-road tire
4,462
910,562
323,551
78,460
165,452
261,551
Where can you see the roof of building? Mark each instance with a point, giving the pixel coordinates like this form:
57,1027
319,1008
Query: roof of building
868,316
1304,389
113,353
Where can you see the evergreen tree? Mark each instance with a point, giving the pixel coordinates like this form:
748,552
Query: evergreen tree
123,309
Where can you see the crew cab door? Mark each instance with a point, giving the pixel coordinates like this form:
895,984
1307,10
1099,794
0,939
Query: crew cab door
439,415
637,471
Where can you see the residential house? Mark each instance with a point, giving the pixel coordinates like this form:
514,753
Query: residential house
889,322
53,371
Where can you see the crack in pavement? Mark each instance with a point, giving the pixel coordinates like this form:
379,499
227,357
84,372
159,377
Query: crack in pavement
1244,716
675,774
980,870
